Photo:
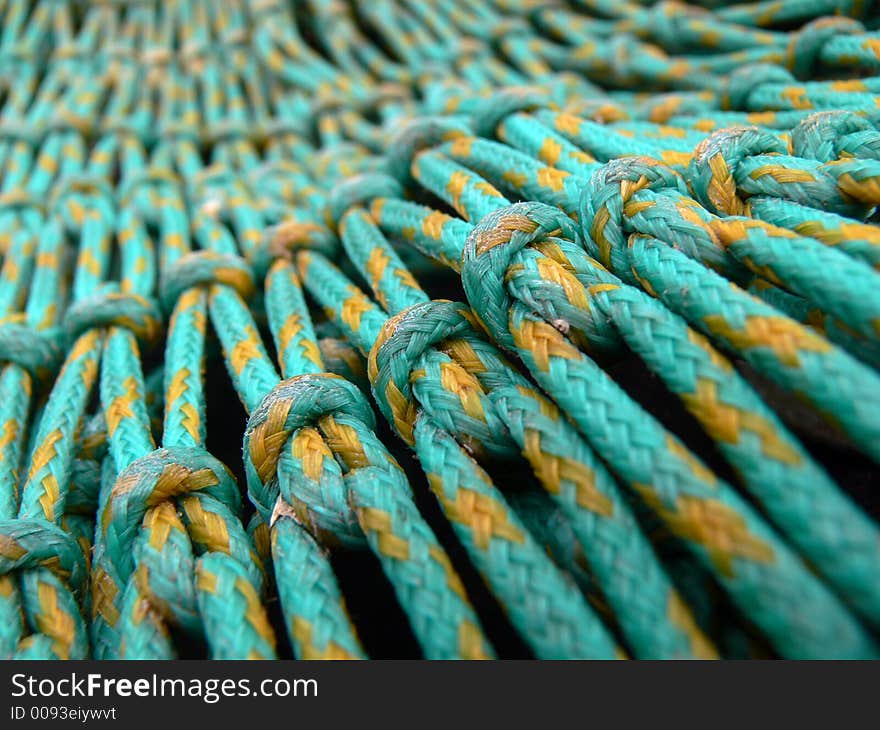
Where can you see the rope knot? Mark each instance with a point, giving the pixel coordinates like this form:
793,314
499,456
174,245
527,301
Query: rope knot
739,86
294,234
601,111
830,135
668,21
419,134
112,308
16,129
37,543
279,179
411,370
713,168
67,196
531,253
162,475
138,189
204,268
505,27
489,251
492,111
343,159
804,52
604,199
275,127
21,201
179,130
40,352
229,130
361,190
291,471
211,188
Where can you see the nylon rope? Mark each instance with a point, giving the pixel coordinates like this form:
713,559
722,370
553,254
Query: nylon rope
561,321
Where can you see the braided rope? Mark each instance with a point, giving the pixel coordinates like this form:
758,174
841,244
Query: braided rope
689,191
541,357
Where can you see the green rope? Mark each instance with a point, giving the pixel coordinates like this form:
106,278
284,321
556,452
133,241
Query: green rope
306,197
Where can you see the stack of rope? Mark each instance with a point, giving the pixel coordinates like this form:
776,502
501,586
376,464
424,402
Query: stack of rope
550,329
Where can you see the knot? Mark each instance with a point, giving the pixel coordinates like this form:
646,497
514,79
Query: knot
64,121
126,128
161,475
744,80
275,127
419,134
281,179
490,112
38,352
452,395
505,27
155,56
20,200
294,234
567,89
489,250
17,129
308,487
342,159
87,185
668,22
365,102
712,170
623,52
361,190
35,543
228,130
605,196
203,268
830,135
110,308
211,186
97,190
803,55
175,129
151,193
152,177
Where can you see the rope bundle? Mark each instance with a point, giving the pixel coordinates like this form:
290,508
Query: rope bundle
548,329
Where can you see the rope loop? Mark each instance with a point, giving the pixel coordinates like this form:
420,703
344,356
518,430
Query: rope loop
210,188
90,187
398,351
16,129
111,308
38,352
21,201
830,135
604,199
712,171
161,475
361,190
281,175
147,180
284,422
745,80
26,544
204,268
297,234
492,111
419,134
490,249
803,55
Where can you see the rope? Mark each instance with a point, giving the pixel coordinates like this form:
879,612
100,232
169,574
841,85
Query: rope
606,272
